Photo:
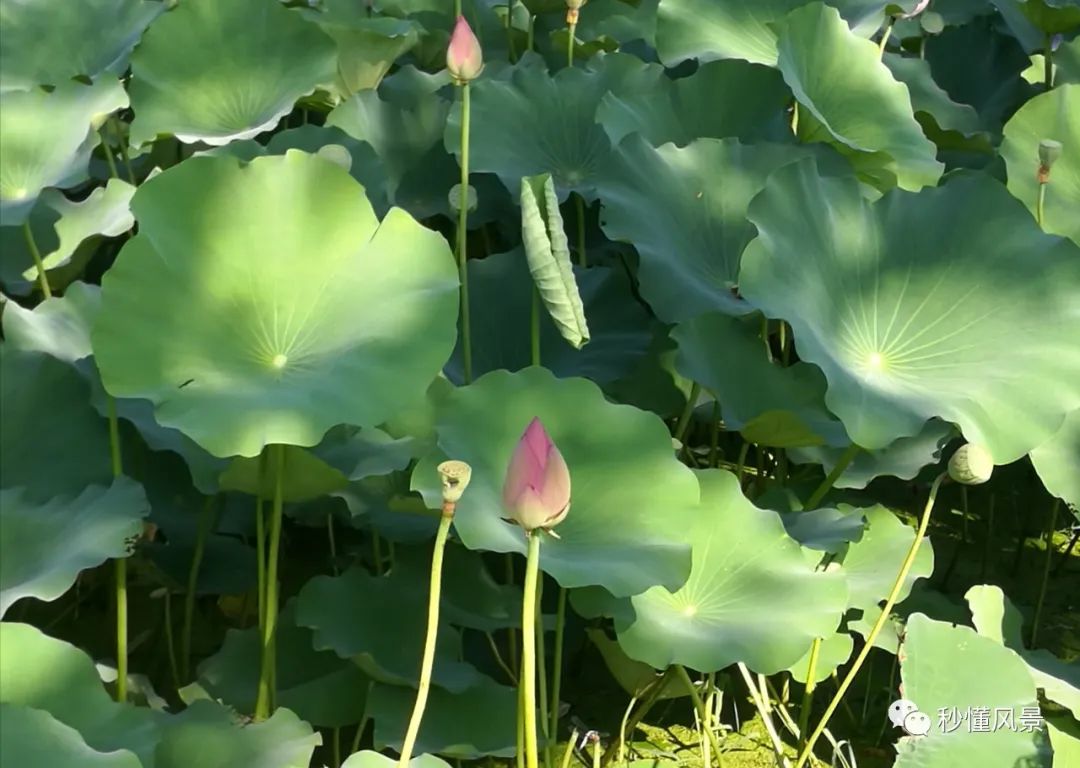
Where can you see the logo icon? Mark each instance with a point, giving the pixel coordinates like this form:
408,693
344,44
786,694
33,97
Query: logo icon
905,714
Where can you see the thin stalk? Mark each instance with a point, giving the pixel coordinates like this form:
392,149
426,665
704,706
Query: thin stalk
534,328
457,8
260,560
541,673
462,233
688,410
1040,204
706,750
121,562
699,705
759,699
115,123
113,172
528,651
520,752
579,205
886,611
335,739
765,337
376,552
205,520
556,666
170,641
568,751
648,696
842,463
1048,63
1037,620
621,741
35,254
499,659
333,543
597,753
265,693
363,722
740,468
866,696
529,38
428,660
714,435
885,37
571,32
808,691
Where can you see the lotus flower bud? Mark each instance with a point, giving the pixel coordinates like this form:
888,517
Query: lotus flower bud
464,58
971,465
536,493
455,476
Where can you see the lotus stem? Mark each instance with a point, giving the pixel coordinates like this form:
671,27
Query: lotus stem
509,30
1040,204
528,650
890,601
885,37
1048,63
579,204
568,751
556,668
115,123
648,696
265,696
842,464
541,673
205,518
333,542
740,467
457,8
571,31
113,172
35,254
534,328
597,753
260,559
760,700
499,659
531,34
699,705
428,660
1037,620
463,232
808,691
520,753
170,641
688,411
621,741
121,562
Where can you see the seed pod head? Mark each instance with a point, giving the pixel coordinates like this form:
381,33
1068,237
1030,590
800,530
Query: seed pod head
455,476
464,58
575,5
1049,152
971,465
536,492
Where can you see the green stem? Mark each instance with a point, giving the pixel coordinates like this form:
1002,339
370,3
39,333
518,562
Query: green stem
333,542
170,641
556,668
714,435
1040,204
457,8
428,660
740,467
123,148
520,753
113,172
760,699
885,37
1048,63
35,254
267,666
534,328
1037,620
571,29
649,696
205,518
528,651
842,463
688,410
121,562
808,691
579,204
699,705
541,672
568,751
531,34
260,558
886,611
597,755
462,235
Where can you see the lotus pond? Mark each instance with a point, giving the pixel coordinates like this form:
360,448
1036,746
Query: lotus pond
521,383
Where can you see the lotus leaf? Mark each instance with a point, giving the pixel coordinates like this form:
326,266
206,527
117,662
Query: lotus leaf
1058,461
33,737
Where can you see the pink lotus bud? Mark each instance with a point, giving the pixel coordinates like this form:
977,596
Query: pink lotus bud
464,58
536,493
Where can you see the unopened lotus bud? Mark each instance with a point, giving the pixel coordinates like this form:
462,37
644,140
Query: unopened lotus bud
464,58
455,476
536,493
971,465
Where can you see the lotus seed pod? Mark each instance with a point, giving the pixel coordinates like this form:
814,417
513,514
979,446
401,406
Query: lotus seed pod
455,198
932,23
1049,152
455,476
971,465
464,58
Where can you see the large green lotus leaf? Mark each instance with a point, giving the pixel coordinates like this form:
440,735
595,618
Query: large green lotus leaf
46,546
405,127
51,441
319,686
368,759
1053,115
995,617
474,723
551,119
1058,461
620,21
33,737
825,529
501,291
390,649
46,138
721,99
306,476
353,336
707,30
951,667
362,453
684,209
367,45
215,72
1065,739
73,230
902,458
871,563
928,97
207,735
48,43
48,674
751,597
770,405
629,497
835,650
852,97
947,303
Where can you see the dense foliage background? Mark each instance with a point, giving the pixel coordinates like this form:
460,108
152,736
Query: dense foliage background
760,268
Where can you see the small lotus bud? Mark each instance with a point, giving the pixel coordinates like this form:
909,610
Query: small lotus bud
971,465
455,476
536,493
464,58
